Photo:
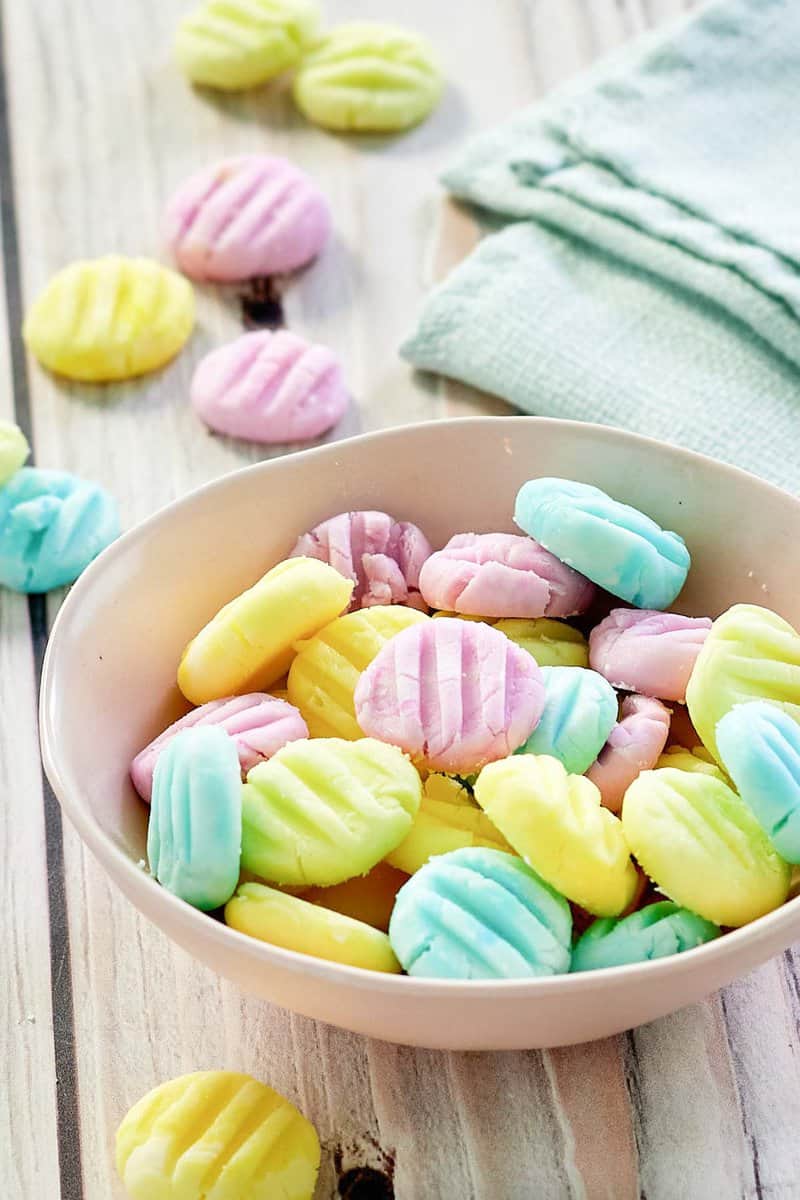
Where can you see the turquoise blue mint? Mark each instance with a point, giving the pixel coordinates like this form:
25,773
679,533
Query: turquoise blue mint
652,932
480,914
615,545
51,527
759,745
194,838
580,710
649,272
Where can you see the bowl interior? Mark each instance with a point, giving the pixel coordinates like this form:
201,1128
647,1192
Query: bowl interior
109,682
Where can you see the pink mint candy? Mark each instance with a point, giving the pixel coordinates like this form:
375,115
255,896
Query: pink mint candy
246,216
634,745
502,575
259,725
382,556
270,387
641,650
453,694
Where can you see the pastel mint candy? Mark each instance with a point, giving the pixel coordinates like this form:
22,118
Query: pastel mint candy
702,846
258,723
653,932
51,527
219,1135
453,694
194,838
697,759
382,556
368,77
502,575
580,710
14,449
110,318
633,746
556,822
759,745
480,914
649,652
750,653
238,44
614,545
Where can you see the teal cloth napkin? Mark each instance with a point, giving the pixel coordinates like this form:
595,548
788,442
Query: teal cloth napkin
647,273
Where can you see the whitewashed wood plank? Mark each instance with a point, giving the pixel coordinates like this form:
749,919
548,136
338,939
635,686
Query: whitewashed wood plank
606,24
616,21
560,41
506,1101
146,1012
761,1014
667,10
636,17
419,1120
686,1117
109,193
587,29
28,1141
594,1108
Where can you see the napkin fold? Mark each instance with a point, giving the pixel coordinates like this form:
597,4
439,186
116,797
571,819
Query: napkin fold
648,274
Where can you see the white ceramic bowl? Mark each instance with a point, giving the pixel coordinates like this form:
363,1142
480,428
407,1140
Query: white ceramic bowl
109,686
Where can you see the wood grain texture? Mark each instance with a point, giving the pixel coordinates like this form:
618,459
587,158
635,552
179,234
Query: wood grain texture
704,1103
28,1146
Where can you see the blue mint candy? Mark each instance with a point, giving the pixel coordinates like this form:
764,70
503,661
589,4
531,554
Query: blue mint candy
480,914
194,839
759,745
580,710
653,932
614,545
51,527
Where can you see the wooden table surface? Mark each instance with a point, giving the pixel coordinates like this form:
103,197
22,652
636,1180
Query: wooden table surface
96,1006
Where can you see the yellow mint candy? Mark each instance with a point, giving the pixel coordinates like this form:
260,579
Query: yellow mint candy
14,450
557,823
368,898
750,654
322,811
703,847
448,819
217,1135
110,318
552,643
368,77
249,644
698,759
442,612
236,44
324,674
295,924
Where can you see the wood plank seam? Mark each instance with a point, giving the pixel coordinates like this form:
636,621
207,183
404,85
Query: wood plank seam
69,1147
630,1061
750,1138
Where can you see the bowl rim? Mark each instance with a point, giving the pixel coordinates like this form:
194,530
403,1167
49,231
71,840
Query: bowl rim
138,884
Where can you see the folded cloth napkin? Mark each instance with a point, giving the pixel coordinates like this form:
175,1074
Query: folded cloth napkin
648,274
